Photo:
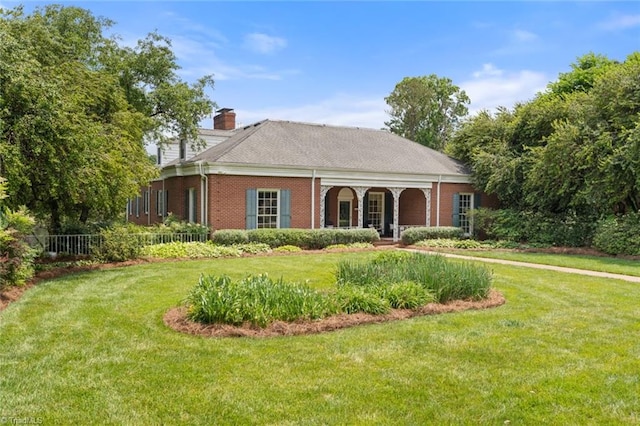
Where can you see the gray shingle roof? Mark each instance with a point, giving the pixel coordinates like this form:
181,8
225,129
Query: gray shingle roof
291,144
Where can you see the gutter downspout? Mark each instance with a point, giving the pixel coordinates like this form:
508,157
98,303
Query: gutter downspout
204,195
313,199
438,202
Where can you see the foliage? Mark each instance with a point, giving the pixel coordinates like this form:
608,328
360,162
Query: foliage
426,109
77,108
353,299
412,235
16,257
119,243
567,229
571,155
256,299
174,225
349,246
194,250
230,236
311,238
405,295
446,280
619,235
287,249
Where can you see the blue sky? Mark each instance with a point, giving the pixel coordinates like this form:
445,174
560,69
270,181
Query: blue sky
334,62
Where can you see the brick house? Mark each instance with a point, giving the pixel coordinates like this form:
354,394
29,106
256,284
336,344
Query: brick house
281,174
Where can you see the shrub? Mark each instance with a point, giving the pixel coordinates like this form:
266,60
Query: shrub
352,299
405,295
228,237
196,250
437,243
312,238
287,249
619,235
119,243
447,280
467,244
16,257
413,235
349,246
520,226
254,299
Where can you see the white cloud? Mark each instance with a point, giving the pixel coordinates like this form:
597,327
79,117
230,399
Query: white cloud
338,110
199,58
492,87
263,43
620,22
524,36
519,42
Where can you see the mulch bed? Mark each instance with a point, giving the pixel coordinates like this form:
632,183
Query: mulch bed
176,319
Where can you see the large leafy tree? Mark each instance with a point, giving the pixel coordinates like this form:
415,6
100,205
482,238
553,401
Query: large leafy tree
573,150
426,109
76,109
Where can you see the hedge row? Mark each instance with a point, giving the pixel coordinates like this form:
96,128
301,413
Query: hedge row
619,235
304,238
413,235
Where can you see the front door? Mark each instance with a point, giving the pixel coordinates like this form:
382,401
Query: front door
344,214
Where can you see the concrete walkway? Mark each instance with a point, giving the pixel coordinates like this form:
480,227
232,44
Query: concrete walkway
536,266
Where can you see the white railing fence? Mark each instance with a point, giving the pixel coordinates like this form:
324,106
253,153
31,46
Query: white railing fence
82,244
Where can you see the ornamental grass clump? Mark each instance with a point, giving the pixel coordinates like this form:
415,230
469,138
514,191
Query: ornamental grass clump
445,280
256,299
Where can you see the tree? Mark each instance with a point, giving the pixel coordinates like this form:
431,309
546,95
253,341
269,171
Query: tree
76,110
426,109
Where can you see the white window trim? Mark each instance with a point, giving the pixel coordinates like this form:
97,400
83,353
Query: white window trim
345,194
465,213
258,191
382,212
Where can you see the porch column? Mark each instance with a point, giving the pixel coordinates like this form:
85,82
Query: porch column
360,191
396,212
427,196
323,194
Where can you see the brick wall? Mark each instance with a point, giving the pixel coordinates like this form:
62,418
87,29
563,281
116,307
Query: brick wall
227,199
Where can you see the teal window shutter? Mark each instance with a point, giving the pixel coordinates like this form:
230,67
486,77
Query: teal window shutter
251,209
186,206
476,200
456,209
285,208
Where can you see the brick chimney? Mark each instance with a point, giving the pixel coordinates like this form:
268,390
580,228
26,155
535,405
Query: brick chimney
225,119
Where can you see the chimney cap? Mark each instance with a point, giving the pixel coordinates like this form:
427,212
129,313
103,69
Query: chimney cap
224,110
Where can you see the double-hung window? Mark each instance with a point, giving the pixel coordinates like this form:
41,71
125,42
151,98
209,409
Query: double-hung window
268,208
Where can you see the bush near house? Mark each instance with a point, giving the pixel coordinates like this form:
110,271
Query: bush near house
413,235
16,257
303,238
619,235
566,229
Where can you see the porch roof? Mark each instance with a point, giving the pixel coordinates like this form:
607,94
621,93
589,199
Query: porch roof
292,144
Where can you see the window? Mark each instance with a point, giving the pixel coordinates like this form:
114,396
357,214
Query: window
183,149
465,203
375,208
267,209
345,200
145,202
137,206
159,157
162,199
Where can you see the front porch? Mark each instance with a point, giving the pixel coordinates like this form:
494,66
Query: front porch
387,209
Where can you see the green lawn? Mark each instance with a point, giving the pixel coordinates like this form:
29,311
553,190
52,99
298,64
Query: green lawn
91,348
593,263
